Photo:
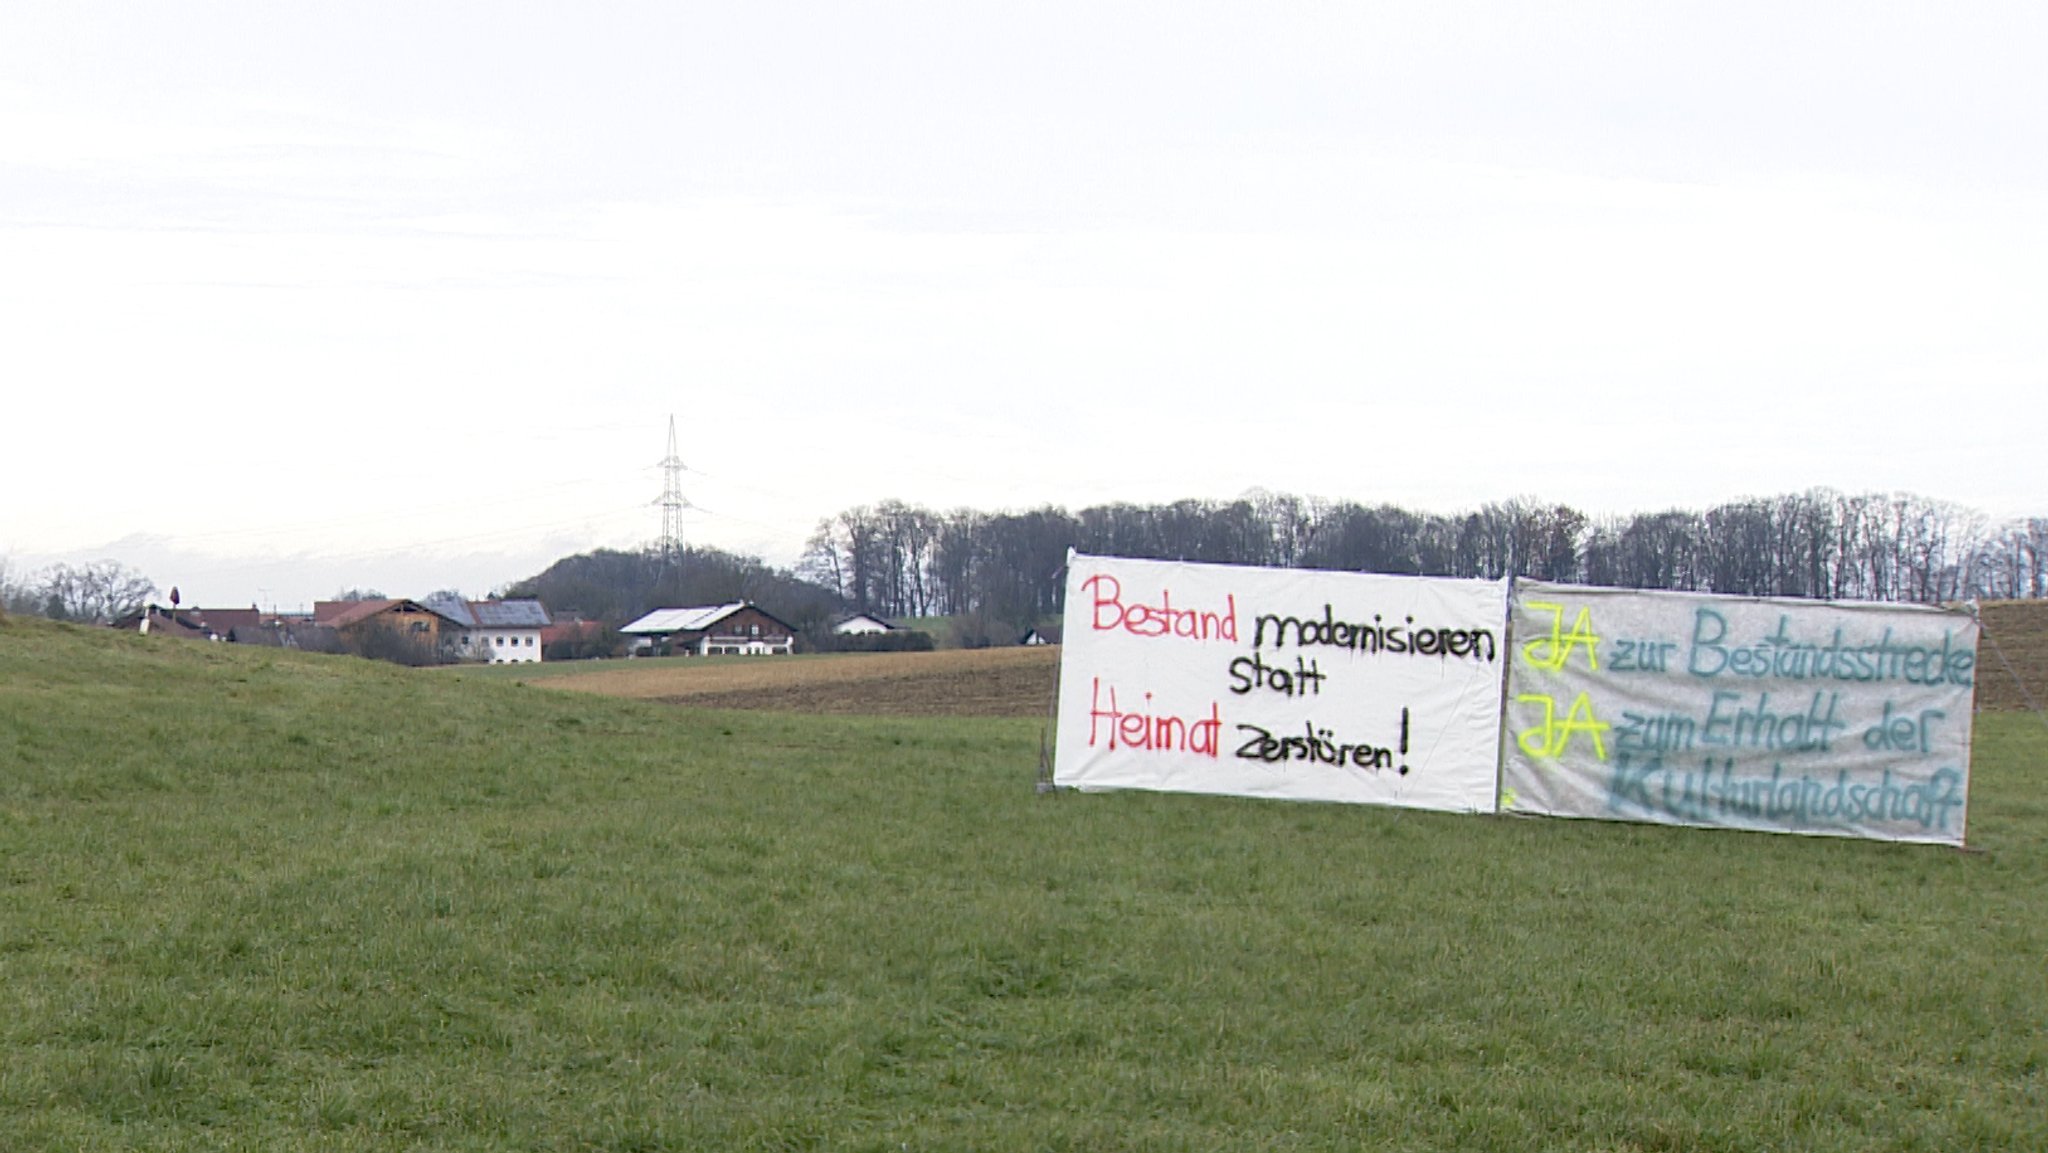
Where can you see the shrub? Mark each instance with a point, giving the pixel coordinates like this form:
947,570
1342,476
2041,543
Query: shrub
896,641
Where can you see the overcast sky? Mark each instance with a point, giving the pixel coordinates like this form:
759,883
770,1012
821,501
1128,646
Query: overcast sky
301,297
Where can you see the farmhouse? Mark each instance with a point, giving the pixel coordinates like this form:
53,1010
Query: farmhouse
741,627
862,624
168,623
249,624
501,632
238,624
409,618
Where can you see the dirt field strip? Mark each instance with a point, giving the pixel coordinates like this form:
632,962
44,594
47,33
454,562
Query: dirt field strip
1009,682
2016,635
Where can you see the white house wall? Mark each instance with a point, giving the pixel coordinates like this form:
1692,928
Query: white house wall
745,646
504,646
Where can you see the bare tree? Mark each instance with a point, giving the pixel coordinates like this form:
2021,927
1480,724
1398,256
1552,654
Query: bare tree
2034,546
822,562
1292,523
905,536
958,552
95,593
2006,565
15,596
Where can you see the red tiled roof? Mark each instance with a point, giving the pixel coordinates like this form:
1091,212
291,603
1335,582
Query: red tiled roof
221,620
346,613
571,631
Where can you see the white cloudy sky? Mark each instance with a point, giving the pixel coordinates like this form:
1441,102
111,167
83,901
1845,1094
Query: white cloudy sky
300,297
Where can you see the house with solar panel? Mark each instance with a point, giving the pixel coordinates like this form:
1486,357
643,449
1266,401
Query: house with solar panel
498,632
741,628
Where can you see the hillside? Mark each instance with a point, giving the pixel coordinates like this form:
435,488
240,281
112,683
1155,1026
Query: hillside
260,900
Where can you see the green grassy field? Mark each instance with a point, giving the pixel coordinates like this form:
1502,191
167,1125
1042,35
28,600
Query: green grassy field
251,900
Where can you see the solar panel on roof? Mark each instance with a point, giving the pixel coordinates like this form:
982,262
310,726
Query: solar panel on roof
510,614
686,620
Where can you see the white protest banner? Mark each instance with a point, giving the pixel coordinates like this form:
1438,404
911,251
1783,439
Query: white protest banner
1819,717
1289,683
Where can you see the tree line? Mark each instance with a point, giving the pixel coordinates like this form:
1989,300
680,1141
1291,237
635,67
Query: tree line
96,593
997,572
902,560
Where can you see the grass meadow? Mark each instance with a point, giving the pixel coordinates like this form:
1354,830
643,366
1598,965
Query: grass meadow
255,900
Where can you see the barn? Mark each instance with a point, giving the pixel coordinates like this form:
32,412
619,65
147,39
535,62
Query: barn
741,628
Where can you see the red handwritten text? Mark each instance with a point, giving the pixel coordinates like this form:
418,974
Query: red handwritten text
1160,620
1154,732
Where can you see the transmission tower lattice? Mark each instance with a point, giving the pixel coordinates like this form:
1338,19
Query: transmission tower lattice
672,501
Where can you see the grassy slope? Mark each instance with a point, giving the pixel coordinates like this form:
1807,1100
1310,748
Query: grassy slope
259,901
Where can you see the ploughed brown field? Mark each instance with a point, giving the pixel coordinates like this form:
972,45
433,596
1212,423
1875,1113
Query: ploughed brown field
2012,655
2012,663
1010,682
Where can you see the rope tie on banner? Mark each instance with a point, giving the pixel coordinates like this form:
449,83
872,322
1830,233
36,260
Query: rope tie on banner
1503,796
1052,715
1045,784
